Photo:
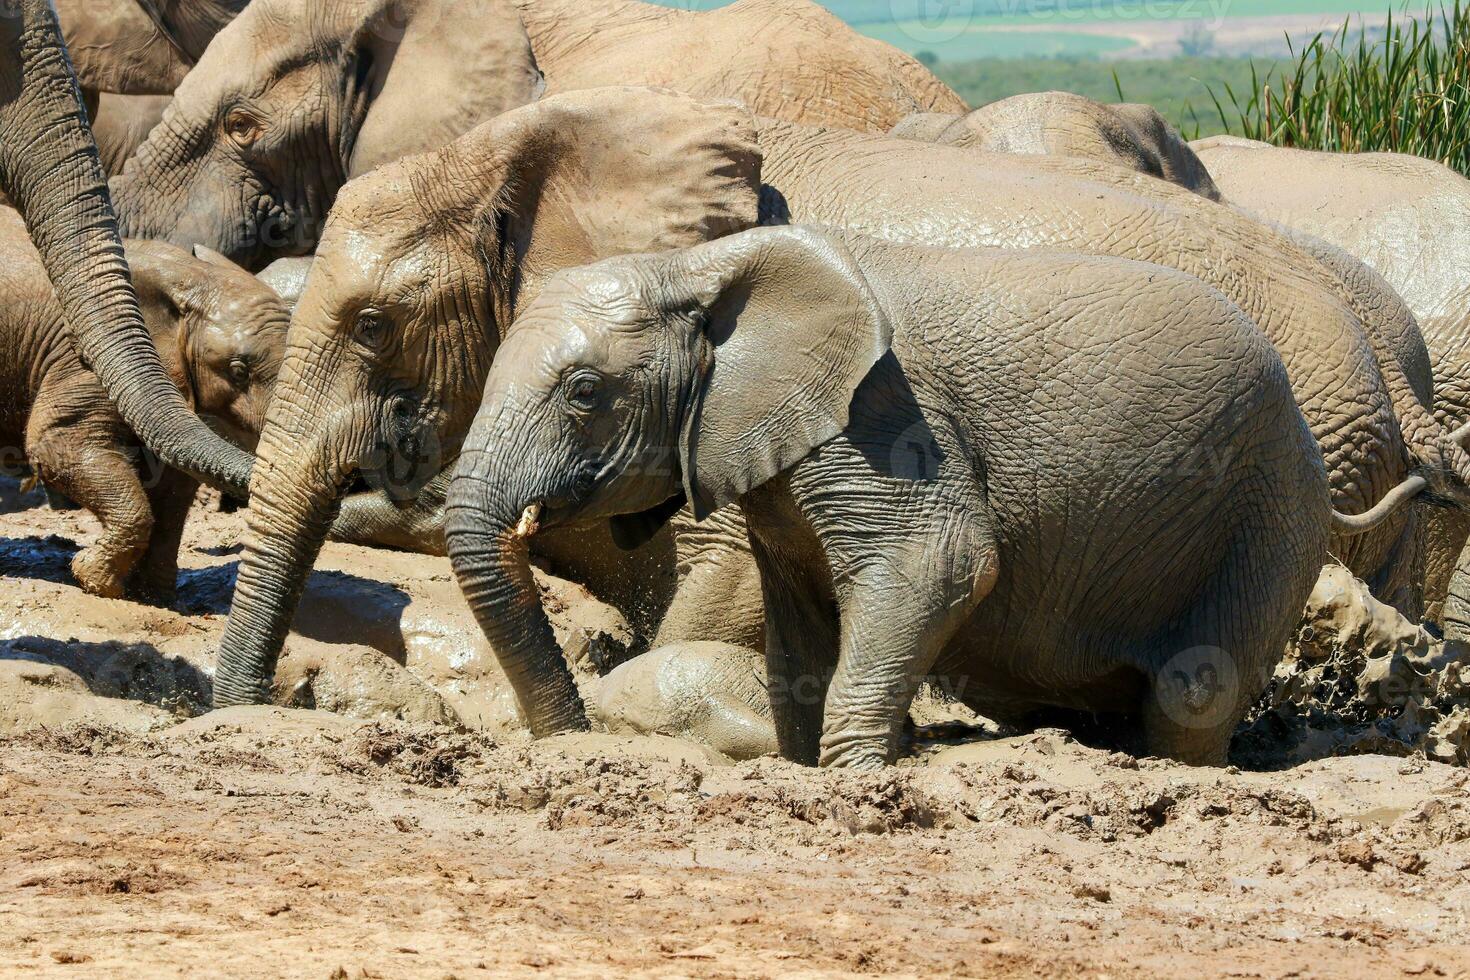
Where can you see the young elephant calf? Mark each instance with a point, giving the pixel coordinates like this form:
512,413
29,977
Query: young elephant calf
1048,480
220,332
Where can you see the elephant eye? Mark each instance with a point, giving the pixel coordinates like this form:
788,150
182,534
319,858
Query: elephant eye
239,373
582,391
242,127
370,330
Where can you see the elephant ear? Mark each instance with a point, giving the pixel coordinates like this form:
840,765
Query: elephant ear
164,278
117,46
614,171
430,71
794,327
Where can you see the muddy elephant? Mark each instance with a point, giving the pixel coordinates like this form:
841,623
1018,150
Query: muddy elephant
50,171
524,195
1405,217
1308,297
1063,124
1138,139
1029,553
1354,352
297,96
896,189
220,332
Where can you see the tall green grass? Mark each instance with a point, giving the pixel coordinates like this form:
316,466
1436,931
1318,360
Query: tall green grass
1407,91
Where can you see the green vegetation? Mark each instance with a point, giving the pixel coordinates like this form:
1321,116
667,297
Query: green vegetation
1408,92
1179,87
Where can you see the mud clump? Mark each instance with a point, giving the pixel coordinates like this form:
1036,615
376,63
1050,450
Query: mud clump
1360,678
423,755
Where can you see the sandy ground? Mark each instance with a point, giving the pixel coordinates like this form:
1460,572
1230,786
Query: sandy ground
426,836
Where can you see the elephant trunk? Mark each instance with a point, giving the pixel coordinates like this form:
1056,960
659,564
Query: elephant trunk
487,536
295,496
50,169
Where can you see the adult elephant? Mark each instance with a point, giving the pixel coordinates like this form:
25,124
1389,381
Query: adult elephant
406,267
50,171
1069,125
297,96
1409,219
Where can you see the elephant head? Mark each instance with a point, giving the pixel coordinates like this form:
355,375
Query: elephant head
1132,136
633,384
221,332
420,271
50,170
295,97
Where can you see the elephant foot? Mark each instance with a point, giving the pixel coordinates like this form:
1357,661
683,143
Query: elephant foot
98,575
867,753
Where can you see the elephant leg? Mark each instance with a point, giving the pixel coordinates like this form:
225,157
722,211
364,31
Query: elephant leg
102,479
171,497
899,612
801,634
719,591
1442,536
1207,670
1395,582
1456,614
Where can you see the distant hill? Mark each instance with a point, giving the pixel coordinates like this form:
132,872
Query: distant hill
964,30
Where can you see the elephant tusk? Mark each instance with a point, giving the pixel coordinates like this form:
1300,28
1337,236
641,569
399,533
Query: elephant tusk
1355,524
530,521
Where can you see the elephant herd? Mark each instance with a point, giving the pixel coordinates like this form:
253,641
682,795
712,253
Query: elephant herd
746,323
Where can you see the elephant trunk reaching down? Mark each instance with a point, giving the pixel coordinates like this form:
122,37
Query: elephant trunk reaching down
295,499
50,170
487,535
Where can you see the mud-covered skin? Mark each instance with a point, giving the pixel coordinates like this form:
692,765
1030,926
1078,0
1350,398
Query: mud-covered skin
1068,125
220,332
1328,316
121,124
140,48
694,581
1406,217
51,174
420,272
711,693
1353,388
295,97
1028,552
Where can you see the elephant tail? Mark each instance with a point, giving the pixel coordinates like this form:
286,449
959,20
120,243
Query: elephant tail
1352,525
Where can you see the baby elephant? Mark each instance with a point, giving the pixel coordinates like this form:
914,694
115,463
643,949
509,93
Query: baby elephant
220,332
1048,481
